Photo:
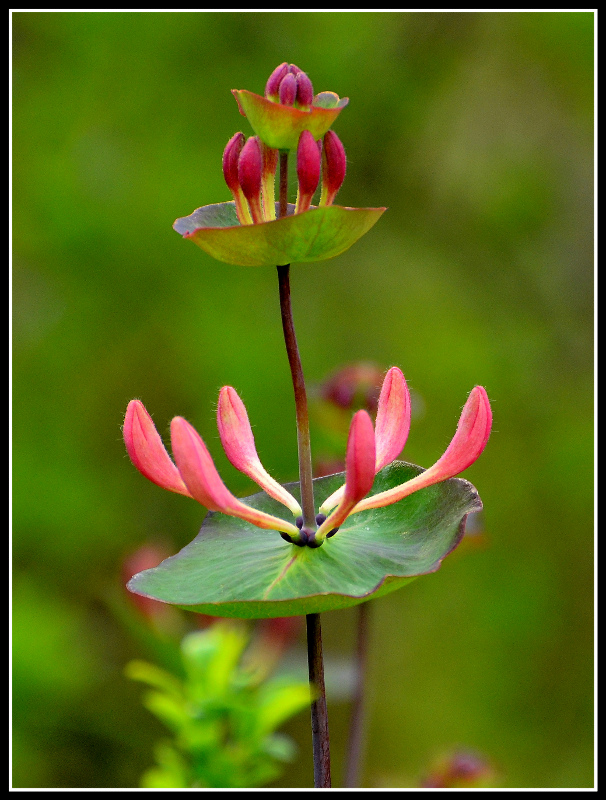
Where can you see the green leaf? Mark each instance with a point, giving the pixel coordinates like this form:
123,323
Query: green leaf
233,569
315,235
154,676
280,126
278,700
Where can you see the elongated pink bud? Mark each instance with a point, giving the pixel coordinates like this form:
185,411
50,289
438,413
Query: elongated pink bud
466,446
305,92
288,90
199,474
231,154
272,87
471,435
308,171
250,175
360,458
239,445
147,452
334,163
393,418
359,471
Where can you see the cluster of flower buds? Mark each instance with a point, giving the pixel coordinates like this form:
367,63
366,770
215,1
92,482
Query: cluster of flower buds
290,86
249,168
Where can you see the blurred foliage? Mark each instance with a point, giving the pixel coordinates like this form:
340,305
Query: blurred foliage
223,716
476,130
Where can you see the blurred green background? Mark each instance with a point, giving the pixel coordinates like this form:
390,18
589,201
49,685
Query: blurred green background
476,130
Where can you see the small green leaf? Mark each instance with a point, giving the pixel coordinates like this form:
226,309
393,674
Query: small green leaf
280,126
315,235
233,569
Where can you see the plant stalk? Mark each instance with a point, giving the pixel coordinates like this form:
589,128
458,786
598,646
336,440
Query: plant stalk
353,764
319,715
296,370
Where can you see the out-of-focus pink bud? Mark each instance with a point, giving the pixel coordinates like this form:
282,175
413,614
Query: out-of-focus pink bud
466,446
272,87
231,155
462,769
239,445
147,452
288,90
308,171
305,92
359,471
354,386
250,176
202,479
334,163
393,418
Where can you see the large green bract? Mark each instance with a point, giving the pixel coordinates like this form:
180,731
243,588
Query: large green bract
314,235
233,569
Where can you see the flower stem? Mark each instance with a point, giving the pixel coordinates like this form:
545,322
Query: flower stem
356,726
319,714
298,381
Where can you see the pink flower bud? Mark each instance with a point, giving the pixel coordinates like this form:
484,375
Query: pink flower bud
146,451
393,418
305,92
273,84
288,90
470,438
308,170
200,475
333,167
466,447
360,458
239,445
359,472
250,173
231,154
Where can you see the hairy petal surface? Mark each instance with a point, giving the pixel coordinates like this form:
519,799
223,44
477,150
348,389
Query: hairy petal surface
202,479
147,452
239,445
466,446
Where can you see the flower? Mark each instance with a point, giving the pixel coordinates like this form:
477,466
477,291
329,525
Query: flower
246,231
369,450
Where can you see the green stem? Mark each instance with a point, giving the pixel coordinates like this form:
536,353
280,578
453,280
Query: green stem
353,765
